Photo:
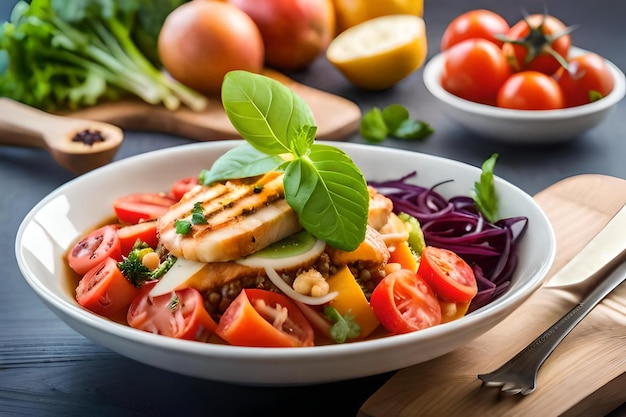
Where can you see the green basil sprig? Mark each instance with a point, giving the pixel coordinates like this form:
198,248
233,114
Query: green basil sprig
322,184
484,191
392,121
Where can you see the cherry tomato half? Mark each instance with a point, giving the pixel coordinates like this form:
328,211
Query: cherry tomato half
448,275
403,302
144,231
180,314
94,248
138,207
587,79
104,289
475,70
530,90
264,319
535,31
180,187
479,23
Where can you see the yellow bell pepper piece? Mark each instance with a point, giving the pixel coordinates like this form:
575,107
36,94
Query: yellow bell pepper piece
351,298
403,255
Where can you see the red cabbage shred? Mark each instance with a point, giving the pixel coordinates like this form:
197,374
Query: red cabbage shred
457,224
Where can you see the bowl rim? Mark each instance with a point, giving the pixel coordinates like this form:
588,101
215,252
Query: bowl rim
431,77
64,308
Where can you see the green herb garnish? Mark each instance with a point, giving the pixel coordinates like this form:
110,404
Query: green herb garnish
322,184
174,302
344,327
392,121
182,226
484,192
197,217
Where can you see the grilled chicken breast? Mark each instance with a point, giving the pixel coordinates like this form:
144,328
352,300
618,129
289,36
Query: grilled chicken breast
242,216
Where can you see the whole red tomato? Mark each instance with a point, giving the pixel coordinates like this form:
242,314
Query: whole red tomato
530,90
479,23
201,41
586,79
294,32
475,69
538,43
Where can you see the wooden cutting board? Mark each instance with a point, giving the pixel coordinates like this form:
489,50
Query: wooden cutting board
584,376
336,117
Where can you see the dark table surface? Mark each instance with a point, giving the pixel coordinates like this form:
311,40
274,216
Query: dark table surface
46,368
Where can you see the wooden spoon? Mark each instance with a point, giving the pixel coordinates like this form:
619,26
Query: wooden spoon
22,125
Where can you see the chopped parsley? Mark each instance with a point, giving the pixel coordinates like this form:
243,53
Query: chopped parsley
174,302
197,217
344,327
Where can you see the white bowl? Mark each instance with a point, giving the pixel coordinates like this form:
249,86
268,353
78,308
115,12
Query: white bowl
523,126
55,223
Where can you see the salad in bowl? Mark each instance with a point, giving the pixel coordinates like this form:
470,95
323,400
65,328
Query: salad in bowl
278,252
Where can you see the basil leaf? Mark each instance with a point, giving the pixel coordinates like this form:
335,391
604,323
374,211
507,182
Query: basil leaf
240,162
373,127
322,184
393,121
266,114
394,115
484,192
329,194
412,129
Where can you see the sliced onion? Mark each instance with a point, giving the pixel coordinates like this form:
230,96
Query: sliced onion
293,294
178,277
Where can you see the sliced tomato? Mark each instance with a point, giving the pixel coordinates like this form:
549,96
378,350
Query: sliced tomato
180,187
144,231
134,208
404,303
180,314
264,318
448,274
104,290
94,248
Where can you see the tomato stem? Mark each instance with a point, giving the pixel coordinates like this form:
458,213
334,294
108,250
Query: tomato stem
537,42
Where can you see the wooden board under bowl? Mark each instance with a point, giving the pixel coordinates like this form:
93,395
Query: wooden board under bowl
335,116
584,376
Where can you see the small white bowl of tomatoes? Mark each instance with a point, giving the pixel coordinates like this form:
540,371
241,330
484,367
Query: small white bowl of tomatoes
489,81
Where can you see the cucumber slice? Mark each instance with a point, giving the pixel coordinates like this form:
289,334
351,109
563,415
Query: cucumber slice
291,251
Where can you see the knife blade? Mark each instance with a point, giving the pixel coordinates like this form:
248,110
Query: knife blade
601,254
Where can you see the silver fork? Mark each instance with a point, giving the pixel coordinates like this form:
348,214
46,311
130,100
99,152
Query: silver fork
519,374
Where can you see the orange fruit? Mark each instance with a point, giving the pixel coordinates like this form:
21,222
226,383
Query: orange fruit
352,12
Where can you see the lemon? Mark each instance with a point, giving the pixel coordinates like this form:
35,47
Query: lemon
352,12
380,52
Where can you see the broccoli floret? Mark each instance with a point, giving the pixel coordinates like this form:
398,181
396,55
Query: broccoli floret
136,272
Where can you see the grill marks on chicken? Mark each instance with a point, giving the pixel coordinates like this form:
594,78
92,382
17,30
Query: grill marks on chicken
242,216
